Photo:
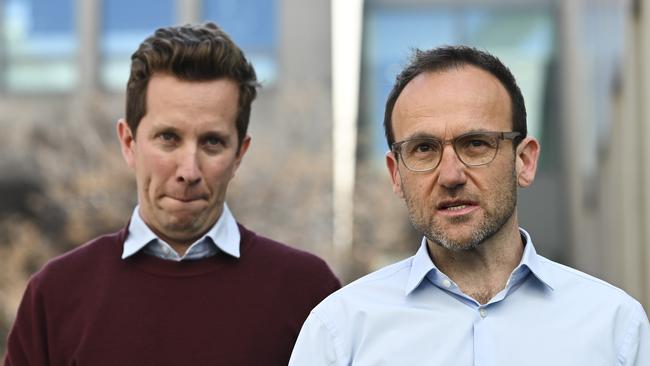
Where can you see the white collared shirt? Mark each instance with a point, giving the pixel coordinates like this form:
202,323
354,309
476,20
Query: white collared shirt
411,313
223,236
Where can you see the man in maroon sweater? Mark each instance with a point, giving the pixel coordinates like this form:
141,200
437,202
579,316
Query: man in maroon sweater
183,283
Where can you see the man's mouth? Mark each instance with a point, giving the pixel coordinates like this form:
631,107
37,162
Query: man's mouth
187,199
457,207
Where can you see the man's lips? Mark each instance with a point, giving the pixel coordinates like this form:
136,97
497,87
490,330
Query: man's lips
457,207
188,198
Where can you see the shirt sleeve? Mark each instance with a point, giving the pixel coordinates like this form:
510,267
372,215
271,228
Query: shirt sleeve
27,341
637,346
316,345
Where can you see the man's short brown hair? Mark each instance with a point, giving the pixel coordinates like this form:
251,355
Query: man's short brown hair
192,53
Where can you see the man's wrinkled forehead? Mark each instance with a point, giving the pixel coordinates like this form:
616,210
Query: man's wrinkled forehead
441,102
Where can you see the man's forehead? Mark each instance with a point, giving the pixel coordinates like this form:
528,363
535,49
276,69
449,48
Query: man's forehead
164,83
451,102
453,83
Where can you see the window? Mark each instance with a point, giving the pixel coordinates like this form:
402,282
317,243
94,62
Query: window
521,37
125,24
252,25
40,45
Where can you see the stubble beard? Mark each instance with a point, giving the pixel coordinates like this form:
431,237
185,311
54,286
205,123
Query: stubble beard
504,207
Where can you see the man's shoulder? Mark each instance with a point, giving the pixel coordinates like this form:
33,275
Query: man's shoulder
393,275
263,248
569,280
269,253
86,256
385,285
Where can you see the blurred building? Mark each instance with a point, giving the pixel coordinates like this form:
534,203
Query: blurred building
315,178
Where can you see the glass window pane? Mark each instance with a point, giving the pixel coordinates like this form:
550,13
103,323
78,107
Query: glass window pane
522,37
523,40
126,23
40,45
390,34
252,25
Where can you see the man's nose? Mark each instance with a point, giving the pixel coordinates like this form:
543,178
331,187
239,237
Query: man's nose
451,171
188,171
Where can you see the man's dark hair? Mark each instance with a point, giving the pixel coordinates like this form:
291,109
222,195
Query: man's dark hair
191,53
448,57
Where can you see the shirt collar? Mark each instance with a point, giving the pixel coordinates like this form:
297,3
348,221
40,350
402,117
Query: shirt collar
224,234
530,259
422,266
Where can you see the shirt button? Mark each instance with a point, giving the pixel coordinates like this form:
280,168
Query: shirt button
483,312
446,283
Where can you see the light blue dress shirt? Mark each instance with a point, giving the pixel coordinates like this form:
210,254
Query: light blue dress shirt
223,236
410,313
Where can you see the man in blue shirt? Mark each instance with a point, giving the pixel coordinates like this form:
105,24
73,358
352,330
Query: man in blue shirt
476,292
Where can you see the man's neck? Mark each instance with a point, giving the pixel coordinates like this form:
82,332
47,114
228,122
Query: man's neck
482,272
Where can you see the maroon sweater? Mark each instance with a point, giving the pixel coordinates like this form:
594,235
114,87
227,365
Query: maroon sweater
90,307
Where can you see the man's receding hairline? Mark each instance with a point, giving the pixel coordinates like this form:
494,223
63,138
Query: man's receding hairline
448,68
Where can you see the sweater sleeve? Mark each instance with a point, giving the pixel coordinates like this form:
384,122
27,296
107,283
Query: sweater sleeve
329,283
27,341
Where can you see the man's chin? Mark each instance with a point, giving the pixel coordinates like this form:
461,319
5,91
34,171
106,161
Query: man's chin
184,223
457,238
183,233
458,246
459,220
174,207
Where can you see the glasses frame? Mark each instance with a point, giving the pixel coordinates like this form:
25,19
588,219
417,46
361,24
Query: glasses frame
396,147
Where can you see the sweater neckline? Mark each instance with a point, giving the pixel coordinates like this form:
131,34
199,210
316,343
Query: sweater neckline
188,268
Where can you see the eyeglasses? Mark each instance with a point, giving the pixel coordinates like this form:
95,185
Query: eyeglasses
473,149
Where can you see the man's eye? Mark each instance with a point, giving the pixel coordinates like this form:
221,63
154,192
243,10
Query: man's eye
213,144
423,147
481,142
167,136
477,143
213,141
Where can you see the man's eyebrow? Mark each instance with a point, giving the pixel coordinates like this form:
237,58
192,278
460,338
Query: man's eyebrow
421,135
214,133
427,135
164,127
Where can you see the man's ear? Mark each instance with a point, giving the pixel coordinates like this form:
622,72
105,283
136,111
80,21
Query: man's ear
526,161
245,143
127,142
392,163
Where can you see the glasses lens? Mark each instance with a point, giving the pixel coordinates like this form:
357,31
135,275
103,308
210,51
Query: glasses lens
476,148
421,154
